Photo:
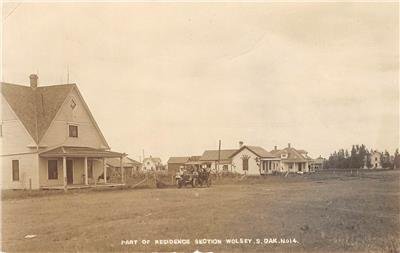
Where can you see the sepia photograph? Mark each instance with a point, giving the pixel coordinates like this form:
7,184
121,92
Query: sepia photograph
200,126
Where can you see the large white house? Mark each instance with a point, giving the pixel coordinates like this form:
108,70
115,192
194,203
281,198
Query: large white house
292,160
255,160
49,138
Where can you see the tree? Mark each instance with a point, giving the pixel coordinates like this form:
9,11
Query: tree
353,157
385,160
396,160
368,160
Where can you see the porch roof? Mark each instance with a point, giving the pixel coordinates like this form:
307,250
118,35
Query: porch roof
69,151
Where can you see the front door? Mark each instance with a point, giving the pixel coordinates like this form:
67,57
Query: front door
70,172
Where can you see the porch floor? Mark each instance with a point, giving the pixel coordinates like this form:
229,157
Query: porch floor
80,186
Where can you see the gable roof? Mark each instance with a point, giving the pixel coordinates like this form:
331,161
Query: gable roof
212,155
194,160
153,159
181,159
292,154
126,162
257,150
37,108
133,161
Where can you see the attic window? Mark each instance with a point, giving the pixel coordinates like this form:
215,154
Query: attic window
73,104
73,131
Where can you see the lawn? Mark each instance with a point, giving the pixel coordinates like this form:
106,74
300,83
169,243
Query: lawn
318,213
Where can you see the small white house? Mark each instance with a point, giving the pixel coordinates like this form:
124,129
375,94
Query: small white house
376,160
152,164
254,160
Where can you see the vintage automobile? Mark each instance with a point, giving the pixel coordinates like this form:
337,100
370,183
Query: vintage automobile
185,178
192,177
204,178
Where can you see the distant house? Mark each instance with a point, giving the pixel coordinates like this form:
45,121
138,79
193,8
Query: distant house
218,160
254,160
292,160
376,160
194,161
114,166
152,164
317,164
136,166
174,163
49,137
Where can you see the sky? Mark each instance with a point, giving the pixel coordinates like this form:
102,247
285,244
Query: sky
174,78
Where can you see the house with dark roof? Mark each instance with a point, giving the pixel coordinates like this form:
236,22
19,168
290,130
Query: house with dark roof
175,162
50,138
218,160
254,160
292,160
129,165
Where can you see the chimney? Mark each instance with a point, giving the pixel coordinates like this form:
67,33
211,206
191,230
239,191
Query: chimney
33,81
276,148
240,144
288,145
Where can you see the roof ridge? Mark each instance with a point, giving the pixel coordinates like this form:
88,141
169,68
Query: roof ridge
36,108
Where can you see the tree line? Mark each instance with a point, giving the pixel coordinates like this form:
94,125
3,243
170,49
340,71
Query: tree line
360,157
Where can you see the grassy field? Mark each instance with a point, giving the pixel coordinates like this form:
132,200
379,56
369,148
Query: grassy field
322,212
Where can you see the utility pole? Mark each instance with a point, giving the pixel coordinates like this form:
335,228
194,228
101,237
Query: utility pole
67,73
219,155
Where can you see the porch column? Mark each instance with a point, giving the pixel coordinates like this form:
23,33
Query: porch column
105,170
65,173
122,170
86,170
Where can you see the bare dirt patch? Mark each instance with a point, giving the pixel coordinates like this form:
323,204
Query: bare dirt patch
324,213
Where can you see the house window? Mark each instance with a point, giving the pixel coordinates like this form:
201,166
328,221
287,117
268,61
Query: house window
245,163
73,104
90,169
376,159
225,167
290,166
15,170
52,169
73,131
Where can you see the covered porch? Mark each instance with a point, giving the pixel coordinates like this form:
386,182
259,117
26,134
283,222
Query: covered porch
77,167
297,166
268,165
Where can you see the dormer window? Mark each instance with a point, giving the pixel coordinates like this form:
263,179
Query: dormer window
72,104
283,155
73,131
